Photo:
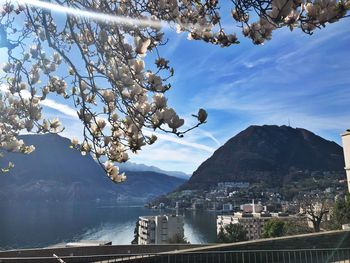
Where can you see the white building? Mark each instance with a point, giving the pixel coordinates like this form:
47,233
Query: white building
346,148
253,208
253,223
160,229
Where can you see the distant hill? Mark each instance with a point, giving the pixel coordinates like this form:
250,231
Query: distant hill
268,155
56,172
136,167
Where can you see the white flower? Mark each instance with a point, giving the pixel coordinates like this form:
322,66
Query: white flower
141,46
74,142
55,124
168,114
108,95
202,115
57,58
108,165
101,123
155,82
7,67
152,139
53,67
22,86
34,51
14,145
85,148
124,157
29,124
71,71
28,149
176,122
292,17
312,10
138,66
160,101
45,90
83,85
34,77
113,172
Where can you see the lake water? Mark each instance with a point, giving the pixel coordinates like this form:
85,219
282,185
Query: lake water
32,225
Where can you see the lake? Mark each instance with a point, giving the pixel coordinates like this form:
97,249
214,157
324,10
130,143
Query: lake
29,225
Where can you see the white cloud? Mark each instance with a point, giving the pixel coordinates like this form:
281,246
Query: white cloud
181,141
210,136
62,108
169,156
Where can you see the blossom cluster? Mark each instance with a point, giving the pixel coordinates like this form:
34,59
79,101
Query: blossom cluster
116,95
304,14
204,19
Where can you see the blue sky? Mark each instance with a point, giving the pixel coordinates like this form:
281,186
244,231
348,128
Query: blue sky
296,78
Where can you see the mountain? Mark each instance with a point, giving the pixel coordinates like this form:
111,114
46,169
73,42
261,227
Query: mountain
136,167
268,155
56,172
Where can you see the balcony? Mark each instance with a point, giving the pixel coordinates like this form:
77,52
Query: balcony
245,256
329,247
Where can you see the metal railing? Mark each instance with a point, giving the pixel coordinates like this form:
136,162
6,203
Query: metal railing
328,255
335,255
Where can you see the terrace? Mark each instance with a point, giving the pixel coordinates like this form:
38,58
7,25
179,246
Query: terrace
331,246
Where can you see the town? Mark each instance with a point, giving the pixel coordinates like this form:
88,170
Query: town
311,210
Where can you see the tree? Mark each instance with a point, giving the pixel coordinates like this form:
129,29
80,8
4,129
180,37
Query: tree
232,233
341,212
274,228
93,56
135,241
278,228
296,228
178,239
316,209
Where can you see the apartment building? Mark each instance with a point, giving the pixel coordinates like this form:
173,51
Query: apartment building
253,223
346,148
160,229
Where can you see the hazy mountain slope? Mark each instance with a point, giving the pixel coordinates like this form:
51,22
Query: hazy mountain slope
267,154
138,167
56,172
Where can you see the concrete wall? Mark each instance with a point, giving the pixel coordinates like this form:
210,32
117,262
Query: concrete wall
68,253
322,240
346,148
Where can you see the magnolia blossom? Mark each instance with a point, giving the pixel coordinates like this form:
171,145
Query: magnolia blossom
113,172
202,115
160,101
99,65
141,45
54,124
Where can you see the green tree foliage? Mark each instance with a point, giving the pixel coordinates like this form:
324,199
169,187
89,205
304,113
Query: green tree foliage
341,212
274,228
278,228
135,241
232,233
178,239
296,228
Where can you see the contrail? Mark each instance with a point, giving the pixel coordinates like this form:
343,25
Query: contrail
121,20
